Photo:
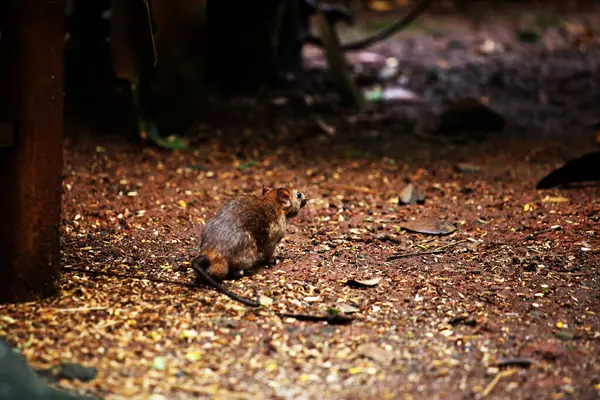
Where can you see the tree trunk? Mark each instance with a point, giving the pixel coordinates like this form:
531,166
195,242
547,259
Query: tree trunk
31,101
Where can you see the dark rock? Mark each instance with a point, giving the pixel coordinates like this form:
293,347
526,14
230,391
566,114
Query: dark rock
470,115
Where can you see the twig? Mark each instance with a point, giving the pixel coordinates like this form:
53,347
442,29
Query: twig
534,234
334,319
499,376
419,253
514,362
441,250
396,27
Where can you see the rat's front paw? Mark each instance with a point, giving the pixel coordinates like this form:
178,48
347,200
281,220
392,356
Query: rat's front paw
236,274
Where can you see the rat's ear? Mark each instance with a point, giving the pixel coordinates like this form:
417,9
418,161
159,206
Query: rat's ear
283,195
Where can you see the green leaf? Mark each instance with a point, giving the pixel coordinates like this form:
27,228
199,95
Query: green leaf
374,94
172,142
247,164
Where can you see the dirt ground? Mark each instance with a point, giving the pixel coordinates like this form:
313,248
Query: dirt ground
507,306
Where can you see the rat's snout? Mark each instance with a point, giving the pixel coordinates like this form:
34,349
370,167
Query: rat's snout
303,202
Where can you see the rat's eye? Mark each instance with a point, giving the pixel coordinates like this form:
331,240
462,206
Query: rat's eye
299,195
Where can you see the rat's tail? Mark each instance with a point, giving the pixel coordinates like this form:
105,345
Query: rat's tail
209,259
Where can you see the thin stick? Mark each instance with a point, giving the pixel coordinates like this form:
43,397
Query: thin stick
419,253
499,376
534,234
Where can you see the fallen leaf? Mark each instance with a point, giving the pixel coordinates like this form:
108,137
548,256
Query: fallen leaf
159,363
390,94
247,165
429,227
312,299
265,301
363,283
374,352
411,195
556,199
193,356
326,128
467,168
347,308
279,101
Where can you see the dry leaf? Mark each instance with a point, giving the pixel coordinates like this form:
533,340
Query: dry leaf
429,227
376,353
363,283
557,199
411,195
347,308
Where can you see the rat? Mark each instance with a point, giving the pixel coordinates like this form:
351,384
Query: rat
244,234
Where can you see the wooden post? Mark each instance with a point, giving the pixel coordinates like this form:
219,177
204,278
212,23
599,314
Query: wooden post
31,109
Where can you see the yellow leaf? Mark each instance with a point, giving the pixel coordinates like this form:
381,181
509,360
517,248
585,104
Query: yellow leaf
527,207
271,366
193,356
182,204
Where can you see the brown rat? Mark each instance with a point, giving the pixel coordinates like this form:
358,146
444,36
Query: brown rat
244,233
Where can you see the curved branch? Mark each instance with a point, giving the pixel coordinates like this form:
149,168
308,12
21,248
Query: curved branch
383,34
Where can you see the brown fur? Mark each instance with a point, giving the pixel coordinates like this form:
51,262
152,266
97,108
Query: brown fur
246,231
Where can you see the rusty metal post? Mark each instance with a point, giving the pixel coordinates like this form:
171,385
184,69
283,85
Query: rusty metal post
31,162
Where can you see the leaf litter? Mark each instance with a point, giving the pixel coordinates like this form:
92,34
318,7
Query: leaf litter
204,344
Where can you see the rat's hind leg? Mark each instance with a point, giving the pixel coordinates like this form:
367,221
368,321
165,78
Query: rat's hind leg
243,259
213,263
218,267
